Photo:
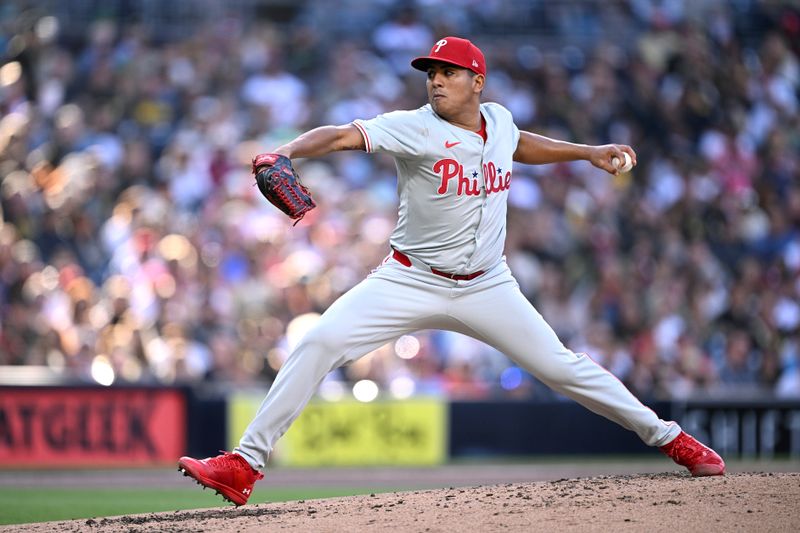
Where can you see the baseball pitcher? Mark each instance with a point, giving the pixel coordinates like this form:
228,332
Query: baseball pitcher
445,267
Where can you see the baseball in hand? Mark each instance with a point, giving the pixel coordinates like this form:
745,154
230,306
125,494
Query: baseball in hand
628,163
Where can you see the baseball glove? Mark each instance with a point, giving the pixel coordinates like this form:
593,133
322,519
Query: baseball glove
280,184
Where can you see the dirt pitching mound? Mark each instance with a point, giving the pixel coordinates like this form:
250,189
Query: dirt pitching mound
645,502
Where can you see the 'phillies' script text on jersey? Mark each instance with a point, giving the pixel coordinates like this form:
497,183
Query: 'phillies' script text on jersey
450,168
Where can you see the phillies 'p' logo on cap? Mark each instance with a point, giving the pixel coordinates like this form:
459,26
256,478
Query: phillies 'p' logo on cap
456,51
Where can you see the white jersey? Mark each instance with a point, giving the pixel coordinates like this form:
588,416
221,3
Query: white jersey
453,187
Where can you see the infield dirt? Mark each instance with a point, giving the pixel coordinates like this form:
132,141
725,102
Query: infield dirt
668,502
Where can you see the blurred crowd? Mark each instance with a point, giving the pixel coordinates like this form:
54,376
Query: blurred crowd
135,249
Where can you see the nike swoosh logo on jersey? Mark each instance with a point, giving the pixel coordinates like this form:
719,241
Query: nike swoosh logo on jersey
448,144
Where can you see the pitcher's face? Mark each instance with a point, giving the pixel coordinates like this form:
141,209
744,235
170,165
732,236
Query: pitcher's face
451,89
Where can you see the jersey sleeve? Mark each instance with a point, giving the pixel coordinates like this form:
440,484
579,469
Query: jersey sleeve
514,129
402,134
505,122
515,133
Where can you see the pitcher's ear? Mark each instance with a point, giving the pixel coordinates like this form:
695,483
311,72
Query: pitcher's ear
479,80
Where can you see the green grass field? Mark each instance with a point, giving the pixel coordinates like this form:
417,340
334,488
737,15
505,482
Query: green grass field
23,505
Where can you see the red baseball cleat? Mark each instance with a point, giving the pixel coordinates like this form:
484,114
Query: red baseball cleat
694,455
229,474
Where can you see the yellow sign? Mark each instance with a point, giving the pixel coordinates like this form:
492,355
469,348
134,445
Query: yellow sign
351,433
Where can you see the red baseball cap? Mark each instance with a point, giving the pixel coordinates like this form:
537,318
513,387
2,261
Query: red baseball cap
456,51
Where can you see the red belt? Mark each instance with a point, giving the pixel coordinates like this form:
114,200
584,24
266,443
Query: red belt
404,260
